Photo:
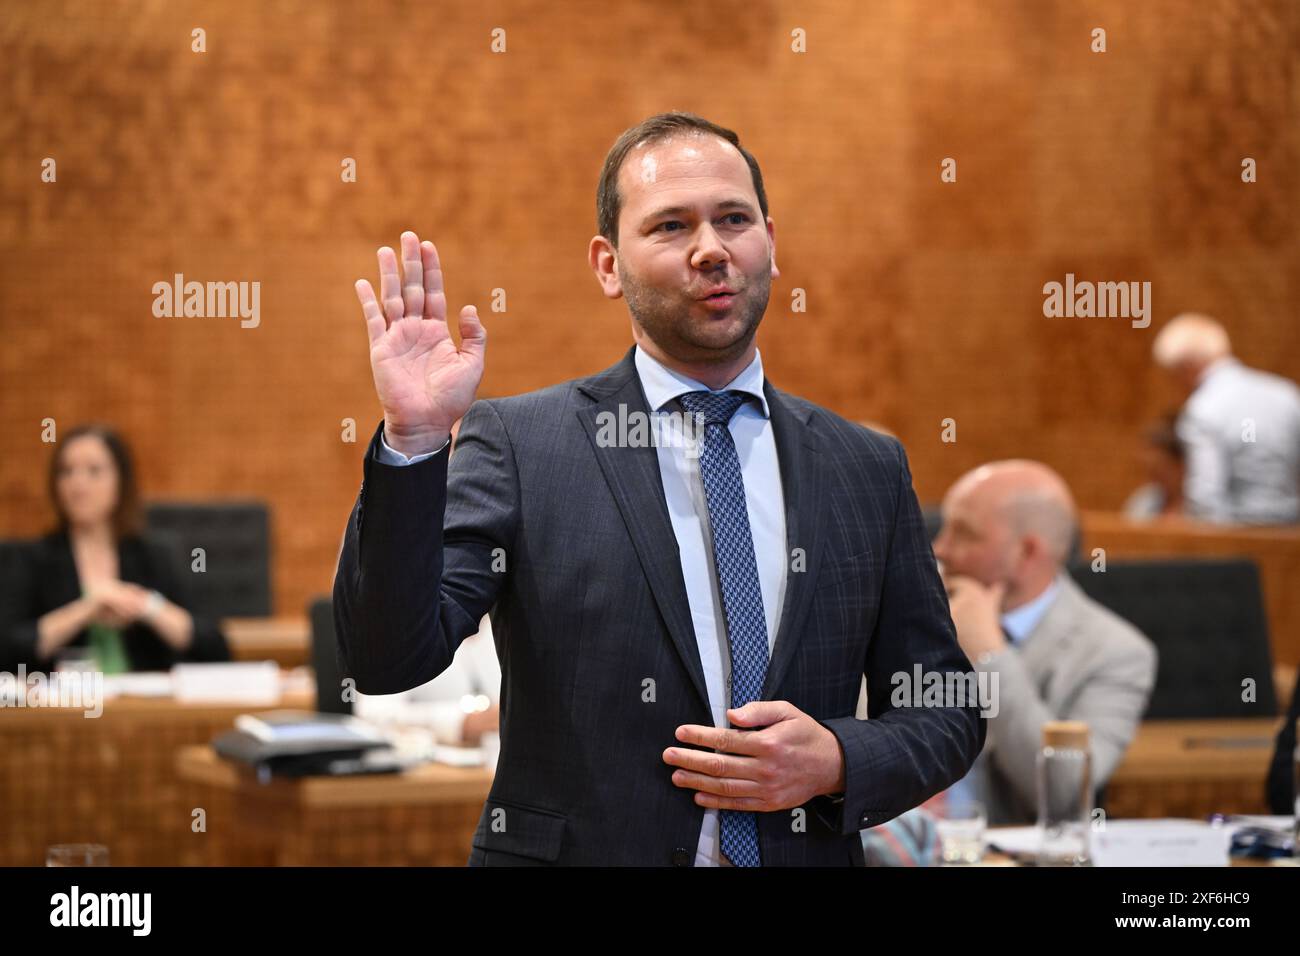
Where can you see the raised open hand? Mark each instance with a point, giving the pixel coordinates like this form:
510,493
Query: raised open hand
424,382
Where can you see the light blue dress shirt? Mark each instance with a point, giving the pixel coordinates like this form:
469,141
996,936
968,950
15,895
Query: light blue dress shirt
751,430
1019,623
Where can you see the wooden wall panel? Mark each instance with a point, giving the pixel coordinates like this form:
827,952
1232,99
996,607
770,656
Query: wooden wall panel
924,298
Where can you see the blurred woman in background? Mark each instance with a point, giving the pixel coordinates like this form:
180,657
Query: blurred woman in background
99,586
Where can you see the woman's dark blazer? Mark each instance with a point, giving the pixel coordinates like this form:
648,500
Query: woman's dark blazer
39,576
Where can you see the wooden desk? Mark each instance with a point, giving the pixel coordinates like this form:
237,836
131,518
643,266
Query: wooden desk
1192,768
423,817
285,640
112,779
1275,550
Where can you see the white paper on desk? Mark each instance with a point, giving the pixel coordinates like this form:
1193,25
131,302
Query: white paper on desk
1160,843
143,684
458,756
241,682
1015,839
1135,843
1249,820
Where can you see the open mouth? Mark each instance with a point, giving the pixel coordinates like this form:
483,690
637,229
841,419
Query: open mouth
719,301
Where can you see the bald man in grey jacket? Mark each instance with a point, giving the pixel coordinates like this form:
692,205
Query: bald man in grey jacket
1056,654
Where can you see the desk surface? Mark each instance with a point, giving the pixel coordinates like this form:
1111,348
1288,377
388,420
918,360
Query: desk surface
1173,750
158,710
285,640
1164,752
427,785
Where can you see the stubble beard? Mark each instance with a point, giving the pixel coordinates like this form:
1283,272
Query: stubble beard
687,332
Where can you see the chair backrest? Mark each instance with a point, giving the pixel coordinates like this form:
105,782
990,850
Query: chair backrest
1206,619
236,540
8,547
325,658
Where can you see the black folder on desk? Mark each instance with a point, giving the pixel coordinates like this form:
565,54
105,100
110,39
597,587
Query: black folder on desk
301,744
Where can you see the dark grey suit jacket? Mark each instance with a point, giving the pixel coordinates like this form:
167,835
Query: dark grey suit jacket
571,546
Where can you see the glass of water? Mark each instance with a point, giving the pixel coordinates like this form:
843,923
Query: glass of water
76,854
961,832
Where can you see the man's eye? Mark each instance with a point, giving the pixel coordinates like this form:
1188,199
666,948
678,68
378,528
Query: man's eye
743,218
671,222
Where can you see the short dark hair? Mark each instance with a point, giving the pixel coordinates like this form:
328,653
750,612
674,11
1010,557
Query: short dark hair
127,518
657,128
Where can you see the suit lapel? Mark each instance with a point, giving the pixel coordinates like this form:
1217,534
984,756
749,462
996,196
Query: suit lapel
803,486
67,581
1044,646
634,480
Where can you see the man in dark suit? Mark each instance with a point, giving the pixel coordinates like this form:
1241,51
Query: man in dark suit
684,615
1281,789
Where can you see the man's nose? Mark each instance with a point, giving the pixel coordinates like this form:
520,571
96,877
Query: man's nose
940,546
709,250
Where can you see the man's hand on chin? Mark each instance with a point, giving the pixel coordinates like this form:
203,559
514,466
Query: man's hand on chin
784,761
977,614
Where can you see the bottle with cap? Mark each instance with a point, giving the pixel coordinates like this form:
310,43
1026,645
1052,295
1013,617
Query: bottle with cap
1065,796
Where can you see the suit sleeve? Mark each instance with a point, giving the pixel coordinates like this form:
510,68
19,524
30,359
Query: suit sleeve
901,756
424,555
19,611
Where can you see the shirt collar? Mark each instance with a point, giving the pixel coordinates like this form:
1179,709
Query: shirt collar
662,384
1021,621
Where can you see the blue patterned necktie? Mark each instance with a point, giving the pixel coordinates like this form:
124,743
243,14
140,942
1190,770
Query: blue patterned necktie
737,569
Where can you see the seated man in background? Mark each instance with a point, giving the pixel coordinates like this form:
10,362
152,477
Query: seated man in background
1240,428
1058,655
1282,769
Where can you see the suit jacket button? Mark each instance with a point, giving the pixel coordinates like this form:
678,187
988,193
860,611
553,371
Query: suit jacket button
681,857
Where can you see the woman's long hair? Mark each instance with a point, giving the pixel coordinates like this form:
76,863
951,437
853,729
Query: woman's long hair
127,517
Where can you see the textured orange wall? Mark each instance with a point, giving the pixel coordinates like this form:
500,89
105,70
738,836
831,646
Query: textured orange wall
924,298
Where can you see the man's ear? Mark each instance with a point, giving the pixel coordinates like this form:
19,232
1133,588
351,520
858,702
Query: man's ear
603,258
1033,547
771,238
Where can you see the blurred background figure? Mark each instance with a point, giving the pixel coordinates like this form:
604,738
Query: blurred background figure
1283,770
1240,428
98,586
910,839
1164,463
1007,532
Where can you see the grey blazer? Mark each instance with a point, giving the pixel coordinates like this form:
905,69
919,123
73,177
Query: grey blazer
1082,662
571,547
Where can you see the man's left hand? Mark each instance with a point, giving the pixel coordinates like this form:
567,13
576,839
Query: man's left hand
773,757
